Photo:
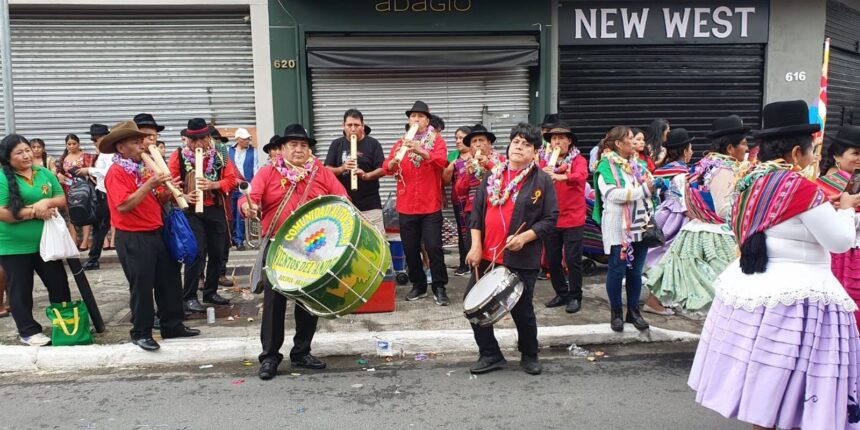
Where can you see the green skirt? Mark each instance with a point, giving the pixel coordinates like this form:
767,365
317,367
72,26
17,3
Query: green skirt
686,273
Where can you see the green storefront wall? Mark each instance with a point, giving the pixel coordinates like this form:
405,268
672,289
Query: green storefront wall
290,21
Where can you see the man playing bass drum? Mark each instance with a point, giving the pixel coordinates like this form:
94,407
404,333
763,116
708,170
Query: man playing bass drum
514,206
296,170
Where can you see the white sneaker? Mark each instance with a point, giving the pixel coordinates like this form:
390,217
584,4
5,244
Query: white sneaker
37,339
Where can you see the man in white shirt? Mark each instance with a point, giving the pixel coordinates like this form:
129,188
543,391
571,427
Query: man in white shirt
245,158
98,171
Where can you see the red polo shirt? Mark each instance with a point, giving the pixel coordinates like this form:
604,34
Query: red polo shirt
146,216
227,182
419,189
267,192
497,223
571,194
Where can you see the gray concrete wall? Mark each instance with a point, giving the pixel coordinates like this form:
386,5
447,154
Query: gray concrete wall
796,44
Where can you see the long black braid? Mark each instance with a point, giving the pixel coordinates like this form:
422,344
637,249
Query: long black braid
7,145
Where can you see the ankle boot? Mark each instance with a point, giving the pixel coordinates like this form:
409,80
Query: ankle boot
617,323
635,317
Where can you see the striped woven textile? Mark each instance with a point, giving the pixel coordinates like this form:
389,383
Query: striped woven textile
833,183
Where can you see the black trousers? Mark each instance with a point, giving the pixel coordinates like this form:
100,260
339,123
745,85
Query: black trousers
101,228
272,329
416,230
567,241
523,315
210,229
149,269
464,234
226,256
19,287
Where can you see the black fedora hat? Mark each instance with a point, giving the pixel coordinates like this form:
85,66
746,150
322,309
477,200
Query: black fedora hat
296,132
559,129
550,120
727,125
215,134
419,107
99,130
678,138
477,130
786,119
849,135
273,144
197,128
146,120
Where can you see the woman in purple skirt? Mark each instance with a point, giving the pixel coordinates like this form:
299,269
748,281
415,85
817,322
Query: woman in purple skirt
780,347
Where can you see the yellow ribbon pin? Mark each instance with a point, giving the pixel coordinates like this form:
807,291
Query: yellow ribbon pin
284,183
45,189
536,196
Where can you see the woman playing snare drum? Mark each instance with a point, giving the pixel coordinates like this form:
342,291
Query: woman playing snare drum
514,205
294,168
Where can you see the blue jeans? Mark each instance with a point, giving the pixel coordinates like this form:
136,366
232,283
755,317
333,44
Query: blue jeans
238,226
618,270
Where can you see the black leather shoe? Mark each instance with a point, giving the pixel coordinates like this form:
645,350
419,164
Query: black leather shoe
617,322
557,301
92,265
240,247
268,369
440,296
215,299
635,317
194,306
573,306
180,331
308,361
488,364
531,365
146,343
224,282
416,293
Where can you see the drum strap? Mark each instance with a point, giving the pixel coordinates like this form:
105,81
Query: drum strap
271,229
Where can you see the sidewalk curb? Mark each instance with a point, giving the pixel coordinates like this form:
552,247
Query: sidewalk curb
214,350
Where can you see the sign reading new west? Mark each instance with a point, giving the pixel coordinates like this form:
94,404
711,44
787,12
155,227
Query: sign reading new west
669,22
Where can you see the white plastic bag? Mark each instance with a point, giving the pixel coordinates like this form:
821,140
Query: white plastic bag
56,242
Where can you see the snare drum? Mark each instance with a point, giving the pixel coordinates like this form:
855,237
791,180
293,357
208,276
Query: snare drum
495,294
328,257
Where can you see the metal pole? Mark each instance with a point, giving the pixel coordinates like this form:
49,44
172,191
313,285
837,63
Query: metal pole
6,59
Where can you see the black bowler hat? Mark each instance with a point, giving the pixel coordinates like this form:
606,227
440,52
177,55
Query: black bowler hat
146,120
296,132
99,130
197,128
786,119
559,128
419,107
678,138
477,130
550,120
725,126
273,143
215,134
849,135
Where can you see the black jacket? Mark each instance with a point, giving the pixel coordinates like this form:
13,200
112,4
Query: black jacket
538,210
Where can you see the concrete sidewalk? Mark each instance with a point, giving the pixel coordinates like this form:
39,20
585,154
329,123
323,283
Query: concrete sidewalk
415,327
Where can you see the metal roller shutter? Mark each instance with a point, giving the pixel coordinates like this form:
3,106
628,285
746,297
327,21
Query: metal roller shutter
73,68
689,85
497,98
843,85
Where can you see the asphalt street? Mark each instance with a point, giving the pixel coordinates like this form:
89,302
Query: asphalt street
630,387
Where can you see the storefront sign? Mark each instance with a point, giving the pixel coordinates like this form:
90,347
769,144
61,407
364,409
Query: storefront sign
669,22
423,6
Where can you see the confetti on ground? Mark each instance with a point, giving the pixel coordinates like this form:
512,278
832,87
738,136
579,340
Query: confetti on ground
238,381
420,357
361,361
206,366
371,369
357,385
295,374
248,363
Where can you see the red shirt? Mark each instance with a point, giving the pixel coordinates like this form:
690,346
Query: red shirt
267,192
497,223
467,184
648,161
227,182
419,189
146,216
571,193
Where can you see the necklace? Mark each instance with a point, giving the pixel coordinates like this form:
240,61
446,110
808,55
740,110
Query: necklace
208,161
563,165
425,142
497,195
291,174
138,171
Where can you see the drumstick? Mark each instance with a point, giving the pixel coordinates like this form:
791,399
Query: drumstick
353,149
413,129
198,173
183,204
515,233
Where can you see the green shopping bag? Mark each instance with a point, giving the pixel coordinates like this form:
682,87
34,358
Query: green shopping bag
71,323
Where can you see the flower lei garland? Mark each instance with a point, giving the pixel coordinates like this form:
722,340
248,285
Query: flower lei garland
761,169
210,169
563,165
640,174
290,173
425,142
138,171
493,158
495,193
714,162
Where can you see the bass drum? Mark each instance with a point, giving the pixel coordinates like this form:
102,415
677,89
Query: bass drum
327,257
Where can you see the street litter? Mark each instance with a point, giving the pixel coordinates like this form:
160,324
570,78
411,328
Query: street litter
357,385
361,361
230,318
295,374
450,372
577,351
371,369
206,366
384,348
250,319
591,359
248,363
238,381
599,354
420,357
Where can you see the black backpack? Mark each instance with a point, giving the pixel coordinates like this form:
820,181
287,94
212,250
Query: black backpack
83,203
